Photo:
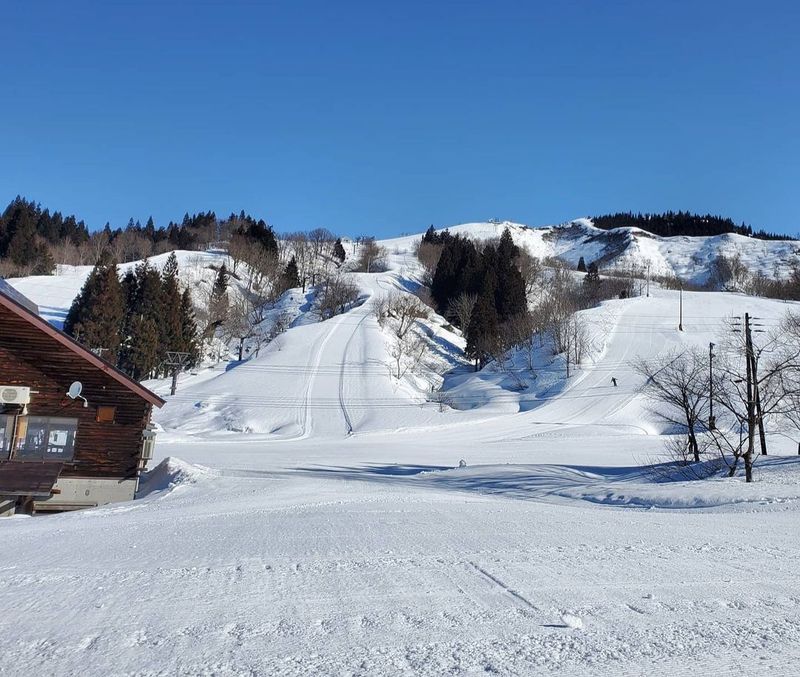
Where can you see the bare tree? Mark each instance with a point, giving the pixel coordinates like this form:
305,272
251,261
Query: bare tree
279,327
321,240
756,382
67,253
532,271
239,247
791,328
130,246
729,273
371,257
428,255
407,352
241,322
522,330
99,243
336,294
460,309
298,245
679,383
399,313
405,309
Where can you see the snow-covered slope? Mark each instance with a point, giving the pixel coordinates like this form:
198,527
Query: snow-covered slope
54,293
687,257
310,516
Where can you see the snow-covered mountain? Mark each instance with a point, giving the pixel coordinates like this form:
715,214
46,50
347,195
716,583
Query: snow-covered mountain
684,256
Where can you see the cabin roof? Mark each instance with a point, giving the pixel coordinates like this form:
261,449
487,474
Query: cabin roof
20,310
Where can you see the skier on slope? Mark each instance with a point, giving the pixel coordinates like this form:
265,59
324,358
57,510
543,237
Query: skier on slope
614,381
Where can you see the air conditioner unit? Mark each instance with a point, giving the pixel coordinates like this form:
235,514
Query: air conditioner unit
15,395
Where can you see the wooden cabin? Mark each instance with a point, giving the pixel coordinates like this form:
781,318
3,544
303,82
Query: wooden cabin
74,430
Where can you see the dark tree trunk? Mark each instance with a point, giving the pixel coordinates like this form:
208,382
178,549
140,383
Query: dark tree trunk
693,446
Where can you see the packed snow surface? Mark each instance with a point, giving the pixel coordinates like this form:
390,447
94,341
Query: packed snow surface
308,514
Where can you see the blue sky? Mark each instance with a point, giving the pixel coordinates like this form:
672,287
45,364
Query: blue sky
377,117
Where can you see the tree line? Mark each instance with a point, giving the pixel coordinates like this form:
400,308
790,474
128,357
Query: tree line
670,224
134,321
502,298
33,240
485,277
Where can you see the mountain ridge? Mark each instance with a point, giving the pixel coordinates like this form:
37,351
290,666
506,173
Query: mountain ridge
685,256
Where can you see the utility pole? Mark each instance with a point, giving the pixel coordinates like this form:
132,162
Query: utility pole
177,361
680,309
751,413
712,423
648,278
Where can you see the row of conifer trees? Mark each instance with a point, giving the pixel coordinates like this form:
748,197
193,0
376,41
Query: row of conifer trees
490,274
135,321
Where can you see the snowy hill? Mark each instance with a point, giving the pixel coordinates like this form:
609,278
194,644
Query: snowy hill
54,293
313,514
686,257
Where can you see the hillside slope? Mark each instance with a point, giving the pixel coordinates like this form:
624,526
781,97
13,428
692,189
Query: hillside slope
686,257
311,515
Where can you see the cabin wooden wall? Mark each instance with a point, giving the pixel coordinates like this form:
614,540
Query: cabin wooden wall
29,357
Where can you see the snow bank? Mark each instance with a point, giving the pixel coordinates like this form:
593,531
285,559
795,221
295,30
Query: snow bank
172,473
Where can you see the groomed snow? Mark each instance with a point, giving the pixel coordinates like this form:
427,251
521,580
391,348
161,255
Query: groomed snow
307,515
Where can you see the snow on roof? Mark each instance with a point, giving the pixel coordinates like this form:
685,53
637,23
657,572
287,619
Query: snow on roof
23,300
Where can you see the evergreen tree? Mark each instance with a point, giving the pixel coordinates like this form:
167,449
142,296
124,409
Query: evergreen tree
261,233
291,276
507,250
581,265
510,298
338,252
37,228
591,283
96,316
142,356
482,333
459,270
27,250
189,342
144,348
171,323
218,303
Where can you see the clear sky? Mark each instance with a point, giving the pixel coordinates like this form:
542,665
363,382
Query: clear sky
379,117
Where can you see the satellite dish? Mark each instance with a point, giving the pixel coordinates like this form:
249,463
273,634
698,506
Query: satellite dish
75,390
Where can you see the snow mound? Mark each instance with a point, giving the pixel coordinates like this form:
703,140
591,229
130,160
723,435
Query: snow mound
572,621
172,473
